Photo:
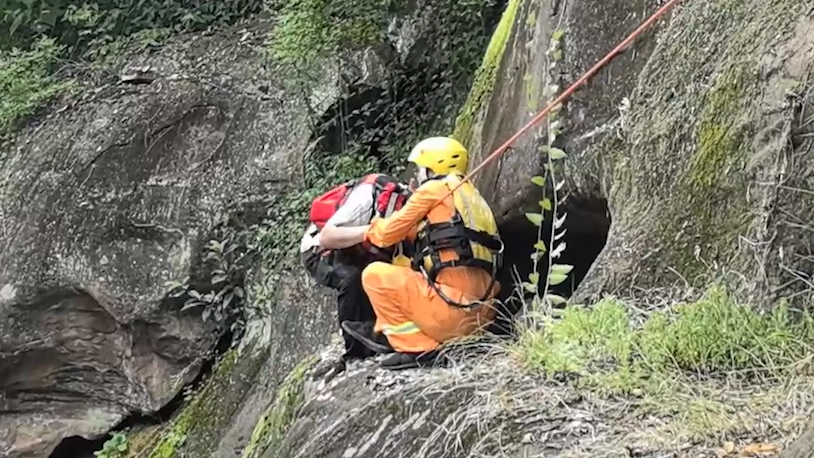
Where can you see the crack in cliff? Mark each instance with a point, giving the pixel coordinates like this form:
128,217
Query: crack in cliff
80,447
586,230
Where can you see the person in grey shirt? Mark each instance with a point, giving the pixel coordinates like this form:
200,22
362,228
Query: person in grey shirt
334,263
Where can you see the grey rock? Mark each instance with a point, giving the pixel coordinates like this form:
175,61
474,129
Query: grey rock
104,202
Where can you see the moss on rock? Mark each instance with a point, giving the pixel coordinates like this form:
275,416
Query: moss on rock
680,194
486,75
199,425
719,137
274,423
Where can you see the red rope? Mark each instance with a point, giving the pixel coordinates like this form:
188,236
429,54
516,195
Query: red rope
502,148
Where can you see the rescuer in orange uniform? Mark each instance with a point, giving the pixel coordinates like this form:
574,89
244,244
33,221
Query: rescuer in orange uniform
448,289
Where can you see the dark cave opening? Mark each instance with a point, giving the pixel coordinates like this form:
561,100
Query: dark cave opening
79,447
587,225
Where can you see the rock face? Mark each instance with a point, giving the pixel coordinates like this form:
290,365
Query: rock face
709,177
105,201
116,193
485,405
698,165
521,76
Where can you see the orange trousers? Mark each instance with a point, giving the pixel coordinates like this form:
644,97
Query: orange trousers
412,315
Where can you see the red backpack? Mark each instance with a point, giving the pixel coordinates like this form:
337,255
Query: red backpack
388,196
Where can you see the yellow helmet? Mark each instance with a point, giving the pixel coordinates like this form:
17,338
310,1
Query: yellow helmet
442,155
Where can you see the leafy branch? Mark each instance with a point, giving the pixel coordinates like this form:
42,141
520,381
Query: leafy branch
555,273
223,301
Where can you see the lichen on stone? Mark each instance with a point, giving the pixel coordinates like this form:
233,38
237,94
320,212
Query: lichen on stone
486,74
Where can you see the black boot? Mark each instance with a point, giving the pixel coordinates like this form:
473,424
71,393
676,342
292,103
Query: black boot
399,361
363,332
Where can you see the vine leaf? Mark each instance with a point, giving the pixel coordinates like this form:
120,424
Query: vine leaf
539,181
546,204
535,218
529,287
561,268
555,278
556,153
554,299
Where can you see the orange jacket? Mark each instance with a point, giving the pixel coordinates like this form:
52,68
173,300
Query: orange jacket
403,225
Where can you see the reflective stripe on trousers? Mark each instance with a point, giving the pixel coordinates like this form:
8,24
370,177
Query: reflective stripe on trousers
401,329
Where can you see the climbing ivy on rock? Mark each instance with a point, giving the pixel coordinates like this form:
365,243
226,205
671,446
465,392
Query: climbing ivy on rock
420,90
553,247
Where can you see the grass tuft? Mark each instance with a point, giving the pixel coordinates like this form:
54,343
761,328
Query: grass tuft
685,362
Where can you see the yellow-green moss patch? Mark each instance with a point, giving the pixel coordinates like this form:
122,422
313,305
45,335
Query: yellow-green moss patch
198,413
720,137
486,74
275,421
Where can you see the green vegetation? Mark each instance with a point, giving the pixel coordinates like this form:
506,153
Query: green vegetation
115,447
273,425
662,357
552,248
486,74
308,31
27,81
92,23
37,36
419,95
720,137
200,414
221,297
201,422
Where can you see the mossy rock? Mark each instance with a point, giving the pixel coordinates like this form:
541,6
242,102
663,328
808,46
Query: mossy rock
197,428
696,187
274,424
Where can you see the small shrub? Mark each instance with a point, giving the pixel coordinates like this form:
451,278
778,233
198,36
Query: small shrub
26,81
115,447
223,301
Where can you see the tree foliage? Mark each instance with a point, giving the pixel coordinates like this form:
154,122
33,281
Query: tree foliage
81,23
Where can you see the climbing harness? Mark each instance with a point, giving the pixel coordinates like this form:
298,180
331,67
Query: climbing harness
471,234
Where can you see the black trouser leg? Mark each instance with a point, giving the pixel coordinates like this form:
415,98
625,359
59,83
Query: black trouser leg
353,305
